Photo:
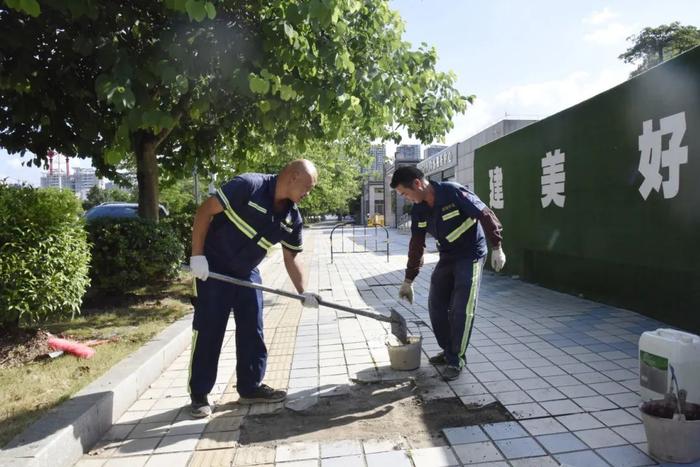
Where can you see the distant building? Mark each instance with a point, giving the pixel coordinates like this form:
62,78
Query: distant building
373,185
432,150
408,152
378,152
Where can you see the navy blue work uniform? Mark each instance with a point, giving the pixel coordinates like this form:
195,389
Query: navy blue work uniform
237,241
454,285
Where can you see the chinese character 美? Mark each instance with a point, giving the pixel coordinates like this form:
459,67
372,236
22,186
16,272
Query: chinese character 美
496,188
652,157
553,177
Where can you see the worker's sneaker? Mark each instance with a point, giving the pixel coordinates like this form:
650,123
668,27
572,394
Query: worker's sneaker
451,373
263,393
200,407
438,359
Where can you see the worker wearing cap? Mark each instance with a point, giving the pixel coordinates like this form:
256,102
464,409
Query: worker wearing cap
460,222
233,231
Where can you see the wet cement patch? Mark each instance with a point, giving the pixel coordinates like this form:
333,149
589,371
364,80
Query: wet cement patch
368,411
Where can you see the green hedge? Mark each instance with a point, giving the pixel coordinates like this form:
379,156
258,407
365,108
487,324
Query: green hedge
131,253
181,223
44,254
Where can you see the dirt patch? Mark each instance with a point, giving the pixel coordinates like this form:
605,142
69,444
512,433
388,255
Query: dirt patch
19,346
367,412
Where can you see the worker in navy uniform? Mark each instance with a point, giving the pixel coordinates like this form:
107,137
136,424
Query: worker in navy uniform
233,231
460,223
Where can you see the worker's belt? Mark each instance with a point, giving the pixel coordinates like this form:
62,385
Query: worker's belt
242,225
464,226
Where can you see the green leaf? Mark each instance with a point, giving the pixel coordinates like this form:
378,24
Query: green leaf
287,92
31,7
258,85
196,10
211,11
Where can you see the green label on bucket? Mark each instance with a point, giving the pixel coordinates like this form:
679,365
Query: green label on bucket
653,361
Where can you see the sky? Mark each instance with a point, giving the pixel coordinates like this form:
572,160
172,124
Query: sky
522,59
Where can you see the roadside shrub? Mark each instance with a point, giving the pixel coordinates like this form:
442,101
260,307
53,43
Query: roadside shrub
132,253
181,224
44,254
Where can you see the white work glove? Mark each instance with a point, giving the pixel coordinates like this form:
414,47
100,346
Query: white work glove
498,259
199,266
310,299
406,291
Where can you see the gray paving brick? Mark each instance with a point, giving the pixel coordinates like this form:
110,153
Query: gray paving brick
543,426
464,435
560,442
519,447
625,456
477,453
581,459
504,430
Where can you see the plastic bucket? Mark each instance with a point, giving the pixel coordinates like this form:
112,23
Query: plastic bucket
671,440
405,356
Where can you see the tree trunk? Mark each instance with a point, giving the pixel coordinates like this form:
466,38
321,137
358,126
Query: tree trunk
147,175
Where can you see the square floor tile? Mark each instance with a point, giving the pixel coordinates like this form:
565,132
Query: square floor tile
464,435
545,394
615,417
594,403
504,430
525,411
561,407
441,456
392,458
512,397
341,448
577,391
582,421
519,447
625,456
600,438
560,442
543,461
581,459
543,426
475,453
297,451
632,433
343,461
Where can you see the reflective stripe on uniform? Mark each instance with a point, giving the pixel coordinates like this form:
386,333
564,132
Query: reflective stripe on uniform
469,319
195,334
290,246
456,233
450,215
423,224
242,225
257,206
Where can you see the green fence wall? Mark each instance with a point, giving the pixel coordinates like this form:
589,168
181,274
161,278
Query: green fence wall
608,242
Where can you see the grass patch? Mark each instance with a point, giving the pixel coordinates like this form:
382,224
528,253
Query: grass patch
32,389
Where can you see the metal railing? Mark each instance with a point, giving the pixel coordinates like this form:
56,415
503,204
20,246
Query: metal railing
353,236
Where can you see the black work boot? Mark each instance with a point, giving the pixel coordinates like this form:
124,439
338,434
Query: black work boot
438,359
263,393
199,408
451,373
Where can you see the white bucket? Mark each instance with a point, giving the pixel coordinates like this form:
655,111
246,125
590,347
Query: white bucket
405,356
671,439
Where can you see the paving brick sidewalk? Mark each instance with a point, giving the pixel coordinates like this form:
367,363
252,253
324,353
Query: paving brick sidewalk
564,367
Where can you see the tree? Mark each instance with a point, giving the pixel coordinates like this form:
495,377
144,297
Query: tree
173,82
654,45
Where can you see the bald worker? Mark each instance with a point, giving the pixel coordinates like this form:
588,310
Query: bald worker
233,230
